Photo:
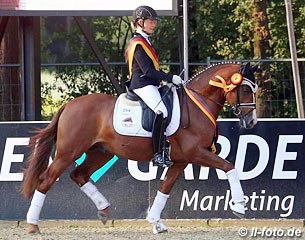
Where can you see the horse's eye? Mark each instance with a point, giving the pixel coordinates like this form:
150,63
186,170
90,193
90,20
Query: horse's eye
246,90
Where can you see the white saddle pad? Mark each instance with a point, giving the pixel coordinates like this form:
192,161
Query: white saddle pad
127,117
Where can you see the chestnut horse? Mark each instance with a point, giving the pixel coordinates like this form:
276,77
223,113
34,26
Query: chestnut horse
73,134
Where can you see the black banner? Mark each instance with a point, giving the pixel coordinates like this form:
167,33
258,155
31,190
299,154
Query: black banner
269,159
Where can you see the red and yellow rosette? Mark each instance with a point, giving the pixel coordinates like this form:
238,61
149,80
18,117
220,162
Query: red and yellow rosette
236,79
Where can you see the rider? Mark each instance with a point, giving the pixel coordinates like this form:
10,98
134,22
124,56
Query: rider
145,75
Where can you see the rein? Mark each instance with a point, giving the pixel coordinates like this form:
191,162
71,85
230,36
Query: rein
200,103
187,108
197,93
187,90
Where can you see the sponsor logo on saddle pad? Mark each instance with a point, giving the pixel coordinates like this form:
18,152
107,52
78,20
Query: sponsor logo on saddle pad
127,122
127,117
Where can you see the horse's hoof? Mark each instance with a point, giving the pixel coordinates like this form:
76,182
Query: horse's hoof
238,209
33,229
159,227
103,215
238,214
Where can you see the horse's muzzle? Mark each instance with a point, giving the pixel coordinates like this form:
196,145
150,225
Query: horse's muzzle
249,120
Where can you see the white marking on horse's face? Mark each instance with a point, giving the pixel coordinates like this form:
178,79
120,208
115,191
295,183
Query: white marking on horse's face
249,121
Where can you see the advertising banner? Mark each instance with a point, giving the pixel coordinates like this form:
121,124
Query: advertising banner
269,159
83,8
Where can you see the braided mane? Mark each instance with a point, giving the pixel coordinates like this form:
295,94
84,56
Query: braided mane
208,67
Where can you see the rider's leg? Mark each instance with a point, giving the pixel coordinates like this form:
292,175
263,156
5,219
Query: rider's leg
151,96
160,158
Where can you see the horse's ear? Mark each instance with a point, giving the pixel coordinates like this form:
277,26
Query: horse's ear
244,68
254,68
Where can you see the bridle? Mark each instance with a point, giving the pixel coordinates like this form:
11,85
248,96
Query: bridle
236,109
227,89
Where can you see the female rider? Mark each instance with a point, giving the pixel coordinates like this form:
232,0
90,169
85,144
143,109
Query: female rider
145,76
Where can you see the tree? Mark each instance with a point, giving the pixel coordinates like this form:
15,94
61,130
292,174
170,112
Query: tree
220,29
261,48
110,34
281,73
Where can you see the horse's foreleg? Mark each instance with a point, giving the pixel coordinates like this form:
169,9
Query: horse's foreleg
81,176
154,214
237,193
209,159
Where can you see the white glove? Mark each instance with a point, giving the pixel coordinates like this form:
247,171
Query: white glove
177,80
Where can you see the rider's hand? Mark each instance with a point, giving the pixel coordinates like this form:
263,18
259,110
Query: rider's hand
177,80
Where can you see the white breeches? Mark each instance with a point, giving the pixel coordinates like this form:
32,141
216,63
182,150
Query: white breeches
151,96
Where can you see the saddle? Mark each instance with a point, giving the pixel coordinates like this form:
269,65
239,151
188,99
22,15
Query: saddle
148,115
132,117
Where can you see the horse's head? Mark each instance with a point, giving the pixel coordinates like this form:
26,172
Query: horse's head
242,97
234,83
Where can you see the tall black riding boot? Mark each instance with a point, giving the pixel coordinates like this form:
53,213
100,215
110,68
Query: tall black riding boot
160,145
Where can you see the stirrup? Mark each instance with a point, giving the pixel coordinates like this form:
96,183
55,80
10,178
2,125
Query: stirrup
167,161
161,160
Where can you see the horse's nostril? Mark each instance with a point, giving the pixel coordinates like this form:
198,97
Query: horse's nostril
251,124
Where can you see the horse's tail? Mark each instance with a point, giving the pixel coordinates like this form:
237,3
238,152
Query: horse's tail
41,146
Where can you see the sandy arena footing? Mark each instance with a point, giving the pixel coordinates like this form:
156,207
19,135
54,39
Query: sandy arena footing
140,229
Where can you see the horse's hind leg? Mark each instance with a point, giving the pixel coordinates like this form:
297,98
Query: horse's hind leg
154,214
46,180
81,176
